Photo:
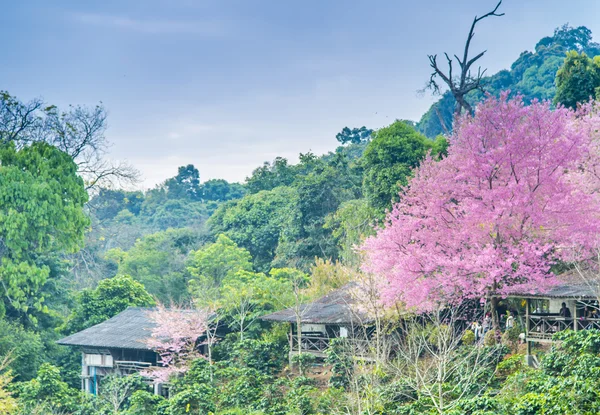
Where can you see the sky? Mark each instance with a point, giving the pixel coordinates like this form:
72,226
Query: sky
229,84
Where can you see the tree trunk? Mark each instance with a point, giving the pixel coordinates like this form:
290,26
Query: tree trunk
494,311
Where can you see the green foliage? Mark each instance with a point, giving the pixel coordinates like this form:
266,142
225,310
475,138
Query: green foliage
533,75
490,338
108,203
267,357
158,261
146,403
301,396
354,136
577,79
41,213
186,185
48,388
116,391
219,260
342,365
24,348
388,162
303,361
259,221
195,398
352,222
510,365
220,190
108,299
271,175
468,338
241,387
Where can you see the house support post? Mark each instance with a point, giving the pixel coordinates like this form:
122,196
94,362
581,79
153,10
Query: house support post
528,356
291,343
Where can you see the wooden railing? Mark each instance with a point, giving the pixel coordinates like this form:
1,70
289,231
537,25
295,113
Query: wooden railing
132,365
318,345
588,323
544,327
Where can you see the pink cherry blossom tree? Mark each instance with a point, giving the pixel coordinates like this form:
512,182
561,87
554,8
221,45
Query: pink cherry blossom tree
515,194
175,339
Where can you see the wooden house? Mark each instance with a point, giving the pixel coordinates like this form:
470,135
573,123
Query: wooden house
335,315
543,309
115,346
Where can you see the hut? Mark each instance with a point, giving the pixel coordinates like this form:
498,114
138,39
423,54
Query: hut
117,346
335,315
543,316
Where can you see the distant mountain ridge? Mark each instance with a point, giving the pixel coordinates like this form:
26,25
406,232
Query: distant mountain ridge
531,75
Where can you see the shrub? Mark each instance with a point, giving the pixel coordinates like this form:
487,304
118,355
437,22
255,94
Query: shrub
301,396
342,365
145,403
510,365
490,338
468,338
241,387
267,357
303,361
196,398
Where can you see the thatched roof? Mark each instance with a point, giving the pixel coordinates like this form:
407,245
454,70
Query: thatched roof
129,329
571,285
337,307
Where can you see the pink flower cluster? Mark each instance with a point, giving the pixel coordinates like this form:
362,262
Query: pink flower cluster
517,192
175,339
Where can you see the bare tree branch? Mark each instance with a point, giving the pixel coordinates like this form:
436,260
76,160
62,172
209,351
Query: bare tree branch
466,82
79,132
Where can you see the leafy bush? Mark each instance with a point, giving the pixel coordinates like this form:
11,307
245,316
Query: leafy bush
145,403
196,398
241,386
468,338
490,338
510,365
342,365
303,361
264,356
301,396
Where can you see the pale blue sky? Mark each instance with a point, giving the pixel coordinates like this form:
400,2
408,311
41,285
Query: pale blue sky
226,85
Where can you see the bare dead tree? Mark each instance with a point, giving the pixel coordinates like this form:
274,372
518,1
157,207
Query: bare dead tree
433,362
115,391
79,132
466,82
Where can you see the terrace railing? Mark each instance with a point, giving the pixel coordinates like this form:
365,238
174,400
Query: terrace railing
545,326
319,344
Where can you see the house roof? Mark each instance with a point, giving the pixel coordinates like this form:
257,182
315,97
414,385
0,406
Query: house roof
571,285
337,307
127,330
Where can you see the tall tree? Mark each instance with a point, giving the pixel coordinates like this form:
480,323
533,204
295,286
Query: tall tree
465,82
259,221
108,299
41,214
354,135
578,79
389,159
158,261
493,216
186,185
218,260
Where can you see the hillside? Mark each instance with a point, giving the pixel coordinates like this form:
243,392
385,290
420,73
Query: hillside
532,75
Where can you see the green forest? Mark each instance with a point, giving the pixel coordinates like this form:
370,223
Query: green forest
78,247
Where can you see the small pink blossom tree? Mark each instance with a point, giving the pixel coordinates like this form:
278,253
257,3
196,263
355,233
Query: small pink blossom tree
175,338
515,194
